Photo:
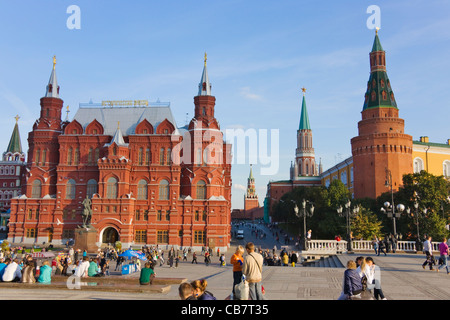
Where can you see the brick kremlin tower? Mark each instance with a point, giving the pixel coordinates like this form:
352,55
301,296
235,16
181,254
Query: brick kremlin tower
381,146
251,197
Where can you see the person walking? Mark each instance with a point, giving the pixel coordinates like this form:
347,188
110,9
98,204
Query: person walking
381,247
237,261
444,251
429,253
375,244
194,258
252,269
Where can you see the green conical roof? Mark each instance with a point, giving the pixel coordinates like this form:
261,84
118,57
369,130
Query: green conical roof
377,44
304,119
14,143
379,92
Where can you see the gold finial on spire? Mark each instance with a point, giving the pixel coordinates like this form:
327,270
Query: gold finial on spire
376,30
17,118
54,62
303,90
206,58
118,125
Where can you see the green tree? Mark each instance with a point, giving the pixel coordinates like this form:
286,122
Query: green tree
430,192
366,225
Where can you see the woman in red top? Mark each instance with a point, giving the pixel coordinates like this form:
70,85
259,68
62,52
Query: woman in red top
237,260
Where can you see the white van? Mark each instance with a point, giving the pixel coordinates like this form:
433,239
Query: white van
240,234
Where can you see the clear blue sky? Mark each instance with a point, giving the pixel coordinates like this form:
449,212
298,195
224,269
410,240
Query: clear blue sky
260,53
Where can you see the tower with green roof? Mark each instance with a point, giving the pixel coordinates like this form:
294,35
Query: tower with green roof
12,167
381,151
14,151
305,159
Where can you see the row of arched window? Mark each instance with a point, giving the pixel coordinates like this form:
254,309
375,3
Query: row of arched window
73,156
6,195
112,189
8,170
40,156
418,165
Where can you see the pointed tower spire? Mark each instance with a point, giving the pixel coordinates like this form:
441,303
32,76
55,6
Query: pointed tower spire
379,92
304,119
204,87
52,87
14,143
304,154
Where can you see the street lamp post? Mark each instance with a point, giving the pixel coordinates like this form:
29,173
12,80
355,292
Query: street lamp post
348,214
304,213
389,210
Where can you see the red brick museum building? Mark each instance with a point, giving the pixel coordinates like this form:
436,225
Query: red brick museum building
149,181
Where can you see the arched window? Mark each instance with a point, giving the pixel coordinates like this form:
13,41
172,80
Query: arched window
446,168
36,189
111,188
161,156
90,156
142,193
69,157
76,157
70,189
201,190
97,155
344,178
91,188
140,156
418,165
169,156
164,190
147,156
198,159
38,156
44,156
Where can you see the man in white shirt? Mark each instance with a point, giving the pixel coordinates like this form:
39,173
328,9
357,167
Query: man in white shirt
427,247
12,272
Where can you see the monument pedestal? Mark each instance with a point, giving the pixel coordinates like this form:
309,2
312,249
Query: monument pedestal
85,239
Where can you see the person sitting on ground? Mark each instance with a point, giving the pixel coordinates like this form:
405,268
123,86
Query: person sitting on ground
186,291
45,273
3,264
352,283
200,291
147,274
12,272
82,268
93,268
28,273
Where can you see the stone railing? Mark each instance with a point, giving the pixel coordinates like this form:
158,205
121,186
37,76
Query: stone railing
335,247
327,246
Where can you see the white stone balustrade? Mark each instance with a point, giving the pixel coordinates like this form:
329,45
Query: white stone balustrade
335,247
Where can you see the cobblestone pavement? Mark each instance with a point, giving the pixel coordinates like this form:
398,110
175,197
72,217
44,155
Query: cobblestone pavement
402,278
